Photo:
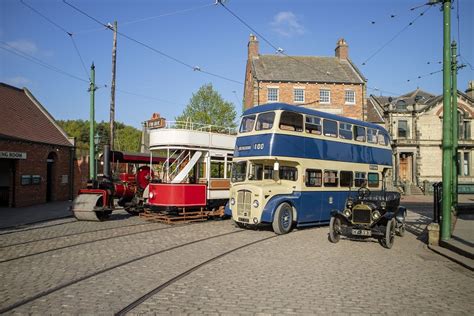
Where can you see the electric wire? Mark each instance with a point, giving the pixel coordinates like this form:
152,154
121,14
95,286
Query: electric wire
70,34
194,68
425,75
37,61
397,15
385,91
396,35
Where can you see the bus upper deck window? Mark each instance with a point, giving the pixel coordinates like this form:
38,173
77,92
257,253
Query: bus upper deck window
290,121
359,133
387,139
345,130
313,125
247,124
330,128
265,121
372,135
382,139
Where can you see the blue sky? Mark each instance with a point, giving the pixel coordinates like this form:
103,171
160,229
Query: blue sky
201,34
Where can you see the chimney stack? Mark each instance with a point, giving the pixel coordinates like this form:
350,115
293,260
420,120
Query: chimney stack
470,89
252,47
342,49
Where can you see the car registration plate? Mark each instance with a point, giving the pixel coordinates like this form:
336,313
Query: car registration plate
361,232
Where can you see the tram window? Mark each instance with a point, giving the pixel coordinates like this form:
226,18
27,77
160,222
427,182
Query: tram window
288,173
265,121
330,128
291,121
359,133
345,130
313,125
239,169
247,123
373,180
313,178
360,179
330,178
346,179
217,169
372,135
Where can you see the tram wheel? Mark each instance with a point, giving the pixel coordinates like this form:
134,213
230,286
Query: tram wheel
283,219
334,229
389,238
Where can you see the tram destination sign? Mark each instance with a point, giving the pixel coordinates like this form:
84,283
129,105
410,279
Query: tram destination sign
12,155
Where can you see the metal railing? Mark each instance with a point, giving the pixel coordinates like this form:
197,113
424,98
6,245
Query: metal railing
199,127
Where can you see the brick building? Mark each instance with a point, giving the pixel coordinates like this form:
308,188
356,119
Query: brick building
415,123
36,156
330,84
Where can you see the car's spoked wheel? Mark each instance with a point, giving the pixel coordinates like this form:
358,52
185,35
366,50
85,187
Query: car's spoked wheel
388,239
334,229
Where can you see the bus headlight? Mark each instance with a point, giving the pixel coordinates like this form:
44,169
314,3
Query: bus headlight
232,201
255,204
375,215
347,213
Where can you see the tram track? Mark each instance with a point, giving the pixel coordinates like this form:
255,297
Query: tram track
173,280
19,230
119,265
88,242
73,234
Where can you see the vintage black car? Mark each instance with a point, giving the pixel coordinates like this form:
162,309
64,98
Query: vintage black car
369,215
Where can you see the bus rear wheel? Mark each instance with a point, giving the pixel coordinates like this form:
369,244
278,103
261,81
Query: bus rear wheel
283,219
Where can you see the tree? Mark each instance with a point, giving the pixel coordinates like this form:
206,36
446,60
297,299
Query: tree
206,106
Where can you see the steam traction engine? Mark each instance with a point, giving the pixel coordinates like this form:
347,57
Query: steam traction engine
96,202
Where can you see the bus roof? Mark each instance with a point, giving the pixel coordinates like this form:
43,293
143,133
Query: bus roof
288,107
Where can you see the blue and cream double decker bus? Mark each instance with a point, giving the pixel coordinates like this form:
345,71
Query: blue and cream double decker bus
294,165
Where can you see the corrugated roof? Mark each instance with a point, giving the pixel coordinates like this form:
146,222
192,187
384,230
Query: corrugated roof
23,117
305,69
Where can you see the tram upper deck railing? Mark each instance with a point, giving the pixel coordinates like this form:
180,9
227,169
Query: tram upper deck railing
199,127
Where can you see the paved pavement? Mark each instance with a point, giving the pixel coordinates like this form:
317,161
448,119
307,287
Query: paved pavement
11,217
71,267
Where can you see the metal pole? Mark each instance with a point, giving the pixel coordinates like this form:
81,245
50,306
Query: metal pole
447,124
112,89
92,88
454,101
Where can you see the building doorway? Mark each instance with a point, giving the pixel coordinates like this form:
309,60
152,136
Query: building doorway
406,167
50,163
6,186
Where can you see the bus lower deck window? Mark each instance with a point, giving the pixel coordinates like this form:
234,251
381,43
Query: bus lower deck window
313,178
373,179
288,173
330,178
359,179
346,179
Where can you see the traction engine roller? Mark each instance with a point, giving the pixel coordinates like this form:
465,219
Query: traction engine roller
96,202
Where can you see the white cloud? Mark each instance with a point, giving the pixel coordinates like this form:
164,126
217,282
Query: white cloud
286,24
18,81
25,46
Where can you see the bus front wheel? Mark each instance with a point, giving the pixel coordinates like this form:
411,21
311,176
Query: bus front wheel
283,219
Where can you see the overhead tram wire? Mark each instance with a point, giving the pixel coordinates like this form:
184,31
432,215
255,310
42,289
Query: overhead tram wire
401,13
385,91
35,60
277,49
396,35
70,34
194,68
425,75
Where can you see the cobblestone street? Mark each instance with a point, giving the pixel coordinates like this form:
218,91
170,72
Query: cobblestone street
72,267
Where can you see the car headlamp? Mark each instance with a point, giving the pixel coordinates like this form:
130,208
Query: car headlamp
347,213
255,203
375,215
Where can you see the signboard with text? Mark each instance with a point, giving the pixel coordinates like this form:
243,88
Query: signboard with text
12,155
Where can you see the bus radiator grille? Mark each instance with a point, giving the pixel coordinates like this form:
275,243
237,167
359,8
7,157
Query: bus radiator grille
244,198
361,216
